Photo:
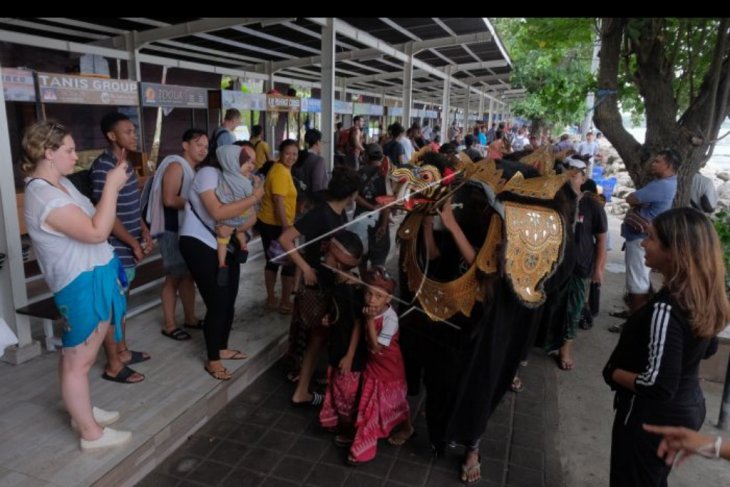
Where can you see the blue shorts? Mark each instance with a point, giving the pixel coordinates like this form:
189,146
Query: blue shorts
94,296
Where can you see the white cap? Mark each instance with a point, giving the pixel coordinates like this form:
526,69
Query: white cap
575,163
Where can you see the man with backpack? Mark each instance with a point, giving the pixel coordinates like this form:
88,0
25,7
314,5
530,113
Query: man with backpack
223,135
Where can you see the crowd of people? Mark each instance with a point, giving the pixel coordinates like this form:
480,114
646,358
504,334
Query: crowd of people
202,209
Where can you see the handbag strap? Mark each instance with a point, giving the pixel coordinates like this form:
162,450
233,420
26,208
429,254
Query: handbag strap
212,232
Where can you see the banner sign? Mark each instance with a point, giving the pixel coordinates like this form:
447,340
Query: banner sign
87,90
344,107
280,103
312,105
18,84
243,101
173,96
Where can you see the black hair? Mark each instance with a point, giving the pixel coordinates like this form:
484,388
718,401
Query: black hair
351,242
448,148
672,157
110,120
396,129
589,185
468,140
344,182
256,130
440,161
312,136
286,143
193,134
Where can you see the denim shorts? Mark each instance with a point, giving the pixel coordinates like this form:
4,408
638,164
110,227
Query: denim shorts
172,260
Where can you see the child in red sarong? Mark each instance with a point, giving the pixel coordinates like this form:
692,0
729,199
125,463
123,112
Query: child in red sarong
383,404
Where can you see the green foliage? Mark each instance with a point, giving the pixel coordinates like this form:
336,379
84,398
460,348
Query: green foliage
687,47
552,60
722,225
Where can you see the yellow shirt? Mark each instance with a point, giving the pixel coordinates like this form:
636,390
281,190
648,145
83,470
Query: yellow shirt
262,151
278,181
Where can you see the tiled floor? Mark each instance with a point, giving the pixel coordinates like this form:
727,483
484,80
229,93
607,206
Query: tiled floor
259,439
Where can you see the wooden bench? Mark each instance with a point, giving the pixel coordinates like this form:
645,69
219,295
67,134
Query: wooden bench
150,273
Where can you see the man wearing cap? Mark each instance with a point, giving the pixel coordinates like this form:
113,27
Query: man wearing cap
650,201
373,185
589,239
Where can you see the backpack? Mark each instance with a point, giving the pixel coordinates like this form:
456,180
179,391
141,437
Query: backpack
343,140
144,198
213,141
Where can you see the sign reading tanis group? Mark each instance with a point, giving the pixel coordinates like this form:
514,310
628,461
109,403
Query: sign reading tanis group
172,96
87,90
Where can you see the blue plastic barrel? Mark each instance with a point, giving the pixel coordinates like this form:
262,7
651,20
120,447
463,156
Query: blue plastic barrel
608,185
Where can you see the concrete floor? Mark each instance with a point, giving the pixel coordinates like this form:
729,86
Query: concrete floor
586,403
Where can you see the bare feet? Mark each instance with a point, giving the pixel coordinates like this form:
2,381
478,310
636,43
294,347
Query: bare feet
403,434
565,356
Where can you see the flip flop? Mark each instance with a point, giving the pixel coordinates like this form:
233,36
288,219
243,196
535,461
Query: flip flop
317,400
123,376
237,355
197,326
136,357
177,334
476,468
219,374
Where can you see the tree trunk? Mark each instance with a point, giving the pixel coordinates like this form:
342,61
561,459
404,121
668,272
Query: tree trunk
607,116
691,135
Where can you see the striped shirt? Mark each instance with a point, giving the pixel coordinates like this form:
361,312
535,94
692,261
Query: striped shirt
128,204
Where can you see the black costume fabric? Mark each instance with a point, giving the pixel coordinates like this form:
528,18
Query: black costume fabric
345,310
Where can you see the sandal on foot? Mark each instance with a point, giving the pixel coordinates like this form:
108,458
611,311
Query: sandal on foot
123,376
517,385
285,310
196,326
476,469
177,334
136,357
236,355
343,441
317,400
220,374
271,306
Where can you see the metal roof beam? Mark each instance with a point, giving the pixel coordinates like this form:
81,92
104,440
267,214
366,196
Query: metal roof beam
184,29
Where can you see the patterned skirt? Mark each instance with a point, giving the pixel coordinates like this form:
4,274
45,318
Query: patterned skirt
382,407
340,398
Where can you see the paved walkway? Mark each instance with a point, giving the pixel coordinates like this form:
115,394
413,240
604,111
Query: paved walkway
259,439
